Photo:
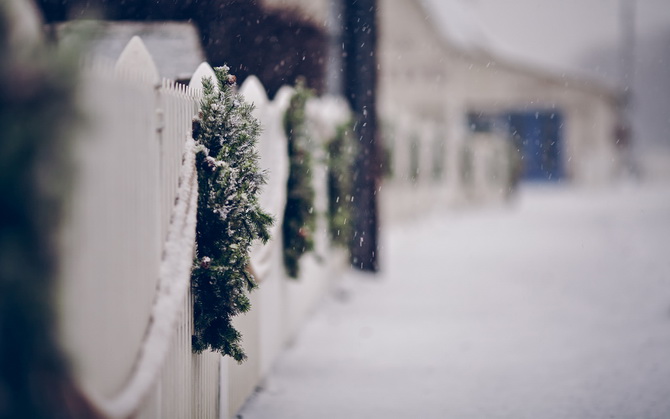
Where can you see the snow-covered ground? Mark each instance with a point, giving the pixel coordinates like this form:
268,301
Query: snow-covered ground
557,306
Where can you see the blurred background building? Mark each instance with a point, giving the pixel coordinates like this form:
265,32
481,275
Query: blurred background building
437,65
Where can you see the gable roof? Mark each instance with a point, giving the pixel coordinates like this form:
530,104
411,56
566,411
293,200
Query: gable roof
460,30
457,25
174,46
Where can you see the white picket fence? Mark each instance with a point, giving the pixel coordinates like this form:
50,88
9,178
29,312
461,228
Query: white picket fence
125,302
432,170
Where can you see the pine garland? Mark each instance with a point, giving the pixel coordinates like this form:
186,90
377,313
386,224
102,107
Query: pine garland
414,157
387,149
299,216
340,162
229,216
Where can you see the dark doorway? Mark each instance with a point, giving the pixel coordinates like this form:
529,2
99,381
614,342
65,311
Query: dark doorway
537,135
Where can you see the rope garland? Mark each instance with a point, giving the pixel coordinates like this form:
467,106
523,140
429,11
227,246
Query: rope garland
174,284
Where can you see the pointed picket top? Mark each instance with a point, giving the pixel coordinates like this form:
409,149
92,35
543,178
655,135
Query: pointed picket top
203,71
283,97
136,62
332,109
326,114
253,91
23,24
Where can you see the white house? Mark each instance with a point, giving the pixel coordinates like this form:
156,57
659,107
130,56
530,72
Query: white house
438,67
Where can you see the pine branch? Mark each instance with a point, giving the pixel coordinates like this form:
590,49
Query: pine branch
299,215
341,151
229,216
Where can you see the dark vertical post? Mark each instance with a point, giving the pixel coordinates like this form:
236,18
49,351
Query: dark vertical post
624,131
335,64
360,82
627,45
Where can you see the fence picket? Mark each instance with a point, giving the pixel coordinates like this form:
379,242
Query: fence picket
136,62
203,71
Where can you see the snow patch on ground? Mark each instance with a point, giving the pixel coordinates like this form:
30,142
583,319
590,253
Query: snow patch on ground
556,306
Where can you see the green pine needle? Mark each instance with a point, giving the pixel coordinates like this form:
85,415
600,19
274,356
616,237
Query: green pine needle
299,215
229,216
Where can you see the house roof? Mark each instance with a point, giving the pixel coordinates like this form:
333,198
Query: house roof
174,46
460,29
458,25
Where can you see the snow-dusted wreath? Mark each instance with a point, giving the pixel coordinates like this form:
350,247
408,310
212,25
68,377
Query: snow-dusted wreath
229,216
341,150
299,215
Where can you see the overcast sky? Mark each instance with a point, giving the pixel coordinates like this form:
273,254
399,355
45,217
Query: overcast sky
557,33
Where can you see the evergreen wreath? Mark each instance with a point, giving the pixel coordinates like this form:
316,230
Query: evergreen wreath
229,216
340,161
299,216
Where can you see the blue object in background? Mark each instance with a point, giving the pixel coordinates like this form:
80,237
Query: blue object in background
538,136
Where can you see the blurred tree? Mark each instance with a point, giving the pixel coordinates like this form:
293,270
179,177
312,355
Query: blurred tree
277,46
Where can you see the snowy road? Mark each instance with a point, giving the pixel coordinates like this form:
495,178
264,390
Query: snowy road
556,307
